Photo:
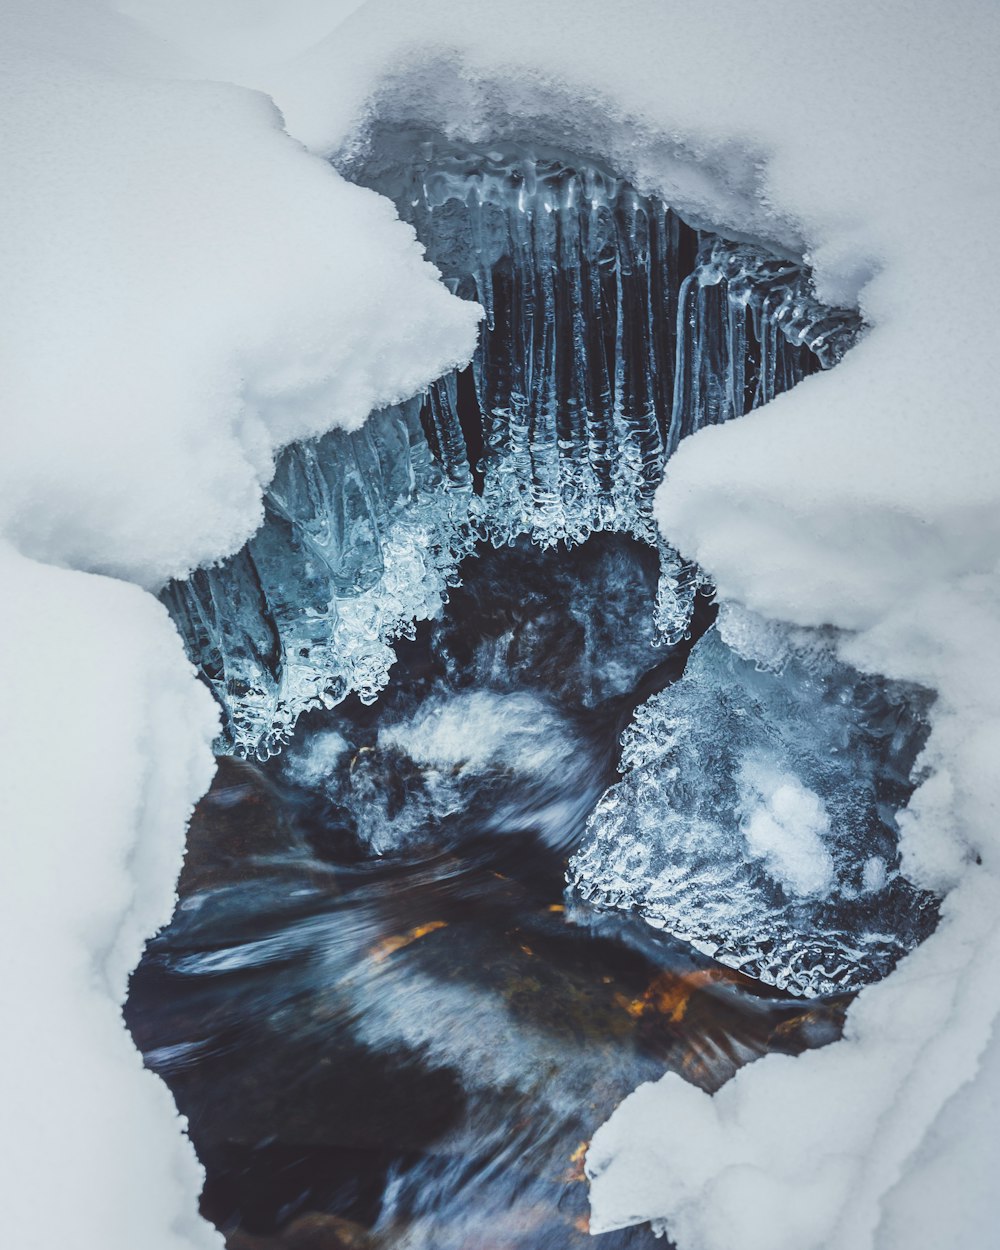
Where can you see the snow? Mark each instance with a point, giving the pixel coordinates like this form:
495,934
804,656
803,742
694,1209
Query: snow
186,289
805,1153
105,748
786,827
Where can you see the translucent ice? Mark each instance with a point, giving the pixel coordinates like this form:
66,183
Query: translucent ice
744,318
612,330
754,817
362,535
612,327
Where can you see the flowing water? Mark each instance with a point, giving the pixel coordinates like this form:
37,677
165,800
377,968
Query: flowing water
386,1021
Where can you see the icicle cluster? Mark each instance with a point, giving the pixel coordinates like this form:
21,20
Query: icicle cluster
362,535
578,275
745,320
612,330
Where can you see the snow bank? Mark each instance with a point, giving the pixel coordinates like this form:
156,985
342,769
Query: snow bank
185,295
104,743
185,289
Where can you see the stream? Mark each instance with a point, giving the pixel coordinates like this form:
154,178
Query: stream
387,1022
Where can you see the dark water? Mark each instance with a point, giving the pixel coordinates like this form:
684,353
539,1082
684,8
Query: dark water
386,1023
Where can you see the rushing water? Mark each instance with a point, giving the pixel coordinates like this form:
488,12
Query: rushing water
386,1022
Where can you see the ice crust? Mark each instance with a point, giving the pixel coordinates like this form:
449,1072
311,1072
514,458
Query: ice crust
561,428
755,817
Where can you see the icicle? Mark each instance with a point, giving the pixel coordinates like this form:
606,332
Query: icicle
230,634
749,328
612,331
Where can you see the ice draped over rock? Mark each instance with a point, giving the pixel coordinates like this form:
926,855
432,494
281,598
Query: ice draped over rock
756,815
612,330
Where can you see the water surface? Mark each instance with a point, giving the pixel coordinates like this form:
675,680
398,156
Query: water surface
387,1023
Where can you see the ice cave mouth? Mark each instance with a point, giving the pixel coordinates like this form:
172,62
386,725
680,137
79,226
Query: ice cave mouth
436,923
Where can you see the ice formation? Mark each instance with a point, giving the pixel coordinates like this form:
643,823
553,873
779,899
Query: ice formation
561,428
361,537
756,817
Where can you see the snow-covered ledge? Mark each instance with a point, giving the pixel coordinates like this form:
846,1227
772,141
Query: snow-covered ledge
191,289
